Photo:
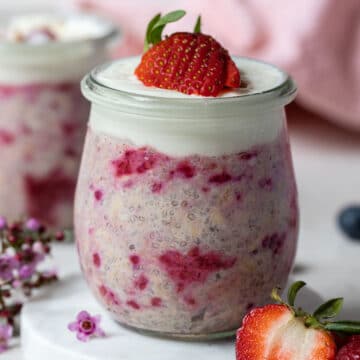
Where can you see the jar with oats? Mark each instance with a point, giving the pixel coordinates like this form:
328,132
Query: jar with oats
186,207
42,113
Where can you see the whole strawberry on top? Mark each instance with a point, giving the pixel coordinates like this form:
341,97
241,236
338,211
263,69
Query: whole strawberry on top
282,332
192,63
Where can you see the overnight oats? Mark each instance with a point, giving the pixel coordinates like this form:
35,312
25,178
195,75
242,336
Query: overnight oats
186,208
42,113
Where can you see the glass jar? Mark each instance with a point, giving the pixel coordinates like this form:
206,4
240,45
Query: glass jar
186,207
43,118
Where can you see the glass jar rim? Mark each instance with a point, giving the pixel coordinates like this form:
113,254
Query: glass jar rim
99,93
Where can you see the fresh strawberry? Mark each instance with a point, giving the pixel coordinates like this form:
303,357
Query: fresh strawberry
354,338
274,333
340,339
283,332
192,63
350,351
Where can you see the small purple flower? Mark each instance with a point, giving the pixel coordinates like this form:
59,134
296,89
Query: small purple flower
32,224
38,247
7,266
31,257
3,223
26,271
29,262
6,332
16,284
86,326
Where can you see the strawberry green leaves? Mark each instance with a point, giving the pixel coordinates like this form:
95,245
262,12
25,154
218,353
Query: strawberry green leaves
329,309
197,28
322,316
169,18
149,28
157,24
348,327
293,290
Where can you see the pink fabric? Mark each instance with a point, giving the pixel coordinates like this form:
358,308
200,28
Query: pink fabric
317,41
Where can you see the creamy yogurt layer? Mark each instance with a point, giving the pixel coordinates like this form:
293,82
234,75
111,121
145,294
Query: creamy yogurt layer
43,28
202,114
257,77
51,48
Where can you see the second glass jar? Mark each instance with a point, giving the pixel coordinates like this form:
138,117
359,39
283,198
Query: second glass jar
43,117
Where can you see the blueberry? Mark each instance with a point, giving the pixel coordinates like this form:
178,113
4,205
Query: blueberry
349,221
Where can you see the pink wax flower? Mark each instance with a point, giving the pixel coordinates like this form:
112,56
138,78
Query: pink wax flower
38,247
32,224
86,326
3,223
16,284
7,266
23,246
29,263
6,332
26,272
31,257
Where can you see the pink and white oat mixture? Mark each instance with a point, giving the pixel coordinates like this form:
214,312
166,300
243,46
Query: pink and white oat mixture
42,130
185,244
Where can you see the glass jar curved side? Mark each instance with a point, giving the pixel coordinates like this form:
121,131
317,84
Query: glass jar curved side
184,242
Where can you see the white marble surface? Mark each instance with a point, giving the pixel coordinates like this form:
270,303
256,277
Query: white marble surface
44,334
44,324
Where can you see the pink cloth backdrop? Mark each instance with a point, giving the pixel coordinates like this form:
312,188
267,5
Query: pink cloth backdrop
317,41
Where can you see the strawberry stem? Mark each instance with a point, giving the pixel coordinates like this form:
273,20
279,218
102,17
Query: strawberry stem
197,28
312,322
276,296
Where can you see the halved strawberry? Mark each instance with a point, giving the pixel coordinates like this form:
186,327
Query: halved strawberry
282,332
192,63
274,333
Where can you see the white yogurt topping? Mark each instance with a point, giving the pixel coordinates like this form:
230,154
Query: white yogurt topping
167,131
259,77
42,28
48,48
